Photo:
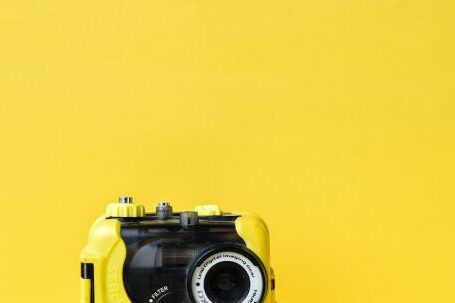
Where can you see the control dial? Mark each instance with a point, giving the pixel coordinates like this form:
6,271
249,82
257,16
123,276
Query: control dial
125,208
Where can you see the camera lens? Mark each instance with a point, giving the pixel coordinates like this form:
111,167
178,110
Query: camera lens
227,282
227,275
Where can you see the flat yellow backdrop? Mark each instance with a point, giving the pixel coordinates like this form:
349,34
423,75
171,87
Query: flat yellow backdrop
334,120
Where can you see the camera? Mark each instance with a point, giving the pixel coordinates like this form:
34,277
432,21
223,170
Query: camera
200,256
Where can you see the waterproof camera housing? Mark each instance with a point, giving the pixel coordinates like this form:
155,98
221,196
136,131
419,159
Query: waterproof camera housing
200,256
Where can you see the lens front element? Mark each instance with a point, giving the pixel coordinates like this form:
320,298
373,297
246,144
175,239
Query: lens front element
227,282
227,277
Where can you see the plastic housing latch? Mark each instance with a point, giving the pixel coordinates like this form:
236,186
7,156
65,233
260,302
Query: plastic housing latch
208,210
125,210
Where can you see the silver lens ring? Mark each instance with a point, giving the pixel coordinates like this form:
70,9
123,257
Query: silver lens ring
236,275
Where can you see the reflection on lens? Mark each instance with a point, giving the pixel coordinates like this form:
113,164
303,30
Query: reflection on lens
227,282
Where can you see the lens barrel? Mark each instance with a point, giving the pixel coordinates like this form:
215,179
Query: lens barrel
227,275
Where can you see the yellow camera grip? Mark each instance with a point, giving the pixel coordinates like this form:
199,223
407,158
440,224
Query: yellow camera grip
86,290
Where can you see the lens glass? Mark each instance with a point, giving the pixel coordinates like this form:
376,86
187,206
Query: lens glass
227,282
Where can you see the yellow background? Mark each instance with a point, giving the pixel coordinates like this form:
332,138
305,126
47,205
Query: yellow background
334,120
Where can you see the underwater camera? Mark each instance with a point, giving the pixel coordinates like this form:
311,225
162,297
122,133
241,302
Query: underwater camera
200,256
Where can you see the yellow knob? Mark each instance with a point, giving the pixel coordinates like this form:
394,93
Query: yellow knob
125,209
208,210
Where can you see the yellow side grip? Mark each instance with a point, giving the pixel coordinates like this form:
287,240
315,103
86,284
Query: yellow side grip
252,229
86,289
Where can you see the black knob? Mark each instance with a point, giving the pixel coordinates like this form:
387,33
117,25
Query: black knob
189,218
163,210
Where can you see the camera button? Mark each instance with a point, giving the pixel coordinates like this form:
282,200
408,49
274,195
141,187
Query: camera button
125,208
208,210
189,218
